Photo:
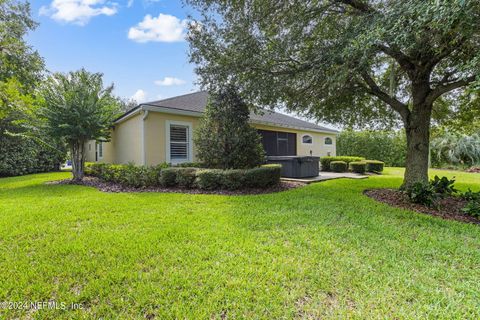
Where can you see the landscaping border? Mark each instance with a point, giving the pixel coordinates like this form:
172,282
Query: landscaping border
449,208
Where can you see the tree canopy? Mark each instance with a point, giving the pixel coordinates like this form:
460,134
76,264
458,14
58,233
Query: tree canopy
21,68
18,59
78,108
353,62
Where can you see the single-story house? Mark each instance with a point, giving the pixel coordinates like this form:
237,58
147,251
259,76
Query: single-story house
161,131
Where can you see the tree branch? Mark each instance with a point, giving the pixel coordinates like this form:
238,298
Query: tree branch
445,78
403,60
375,90
445,52
441,89
358,5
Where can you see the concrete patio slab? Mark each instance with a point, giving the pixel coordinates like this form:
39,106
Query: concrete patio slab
323,176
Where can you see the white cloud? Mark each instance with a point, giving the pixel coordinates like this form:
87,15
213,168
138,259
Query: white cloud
130,3
164,28
169,81
139,96
78,11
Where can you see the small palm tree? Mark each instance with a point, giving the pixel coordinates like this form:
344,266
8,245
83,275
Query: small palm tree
456,149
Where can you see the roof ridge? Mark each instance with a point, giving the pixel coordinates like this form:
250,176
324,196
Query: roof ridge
175,97
292,117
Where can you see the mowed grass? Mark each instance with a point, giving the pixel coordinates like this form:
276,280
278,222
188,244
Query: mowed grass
321,251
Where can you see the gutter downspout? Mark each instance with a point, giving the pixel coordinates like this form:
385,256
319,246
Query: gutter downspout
143,151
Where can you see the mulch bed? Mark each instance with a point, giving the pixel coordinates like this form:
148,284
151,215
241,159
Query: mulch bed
114,187
449,208
474,170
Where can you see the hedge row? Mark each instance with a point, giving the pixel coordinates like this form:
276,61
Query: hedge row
128,175
325,161
185,177
375,166
20,156
356,166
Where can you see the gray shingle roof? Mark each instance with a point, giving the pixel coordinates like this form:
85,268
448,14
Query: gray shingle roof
196,102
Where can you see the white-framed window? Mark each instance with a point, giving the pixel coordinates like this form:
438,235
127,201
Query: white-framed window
328,141
100,150
307,139
178,141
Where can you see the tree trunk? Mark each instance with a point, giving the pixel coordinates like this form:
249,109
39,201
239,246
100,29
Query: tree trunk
417,127
77,149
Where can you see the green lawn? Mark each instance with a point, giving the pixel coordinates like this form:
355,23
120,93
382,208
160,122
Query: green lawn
322,251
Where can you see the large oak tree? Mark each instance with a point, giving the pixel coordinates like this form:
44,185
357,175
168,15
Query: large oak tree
343,61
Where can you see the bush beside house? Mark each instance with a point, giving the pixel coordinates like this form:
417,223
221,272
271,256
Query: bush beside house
225,139
186,177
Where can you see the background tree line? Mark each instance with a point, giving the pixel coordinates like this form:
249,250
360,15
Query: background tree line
23,146
448,149
45,116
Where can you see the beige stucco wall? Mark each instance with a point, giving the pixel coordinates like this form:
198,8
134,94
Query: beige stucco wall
124,145
126,141
155,135
108,152
128,136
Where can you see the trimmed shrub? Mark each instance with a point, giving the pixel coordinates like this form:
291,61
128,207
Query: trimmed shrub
263,177
128,175
185,177
234,179
338,166
92,169
375,166
325,161
206,179
154,173
358,167
168,177
189,165
210,179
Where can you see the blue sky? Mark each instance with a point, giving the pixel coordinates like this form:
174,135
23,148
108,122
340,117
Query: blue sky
137,44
